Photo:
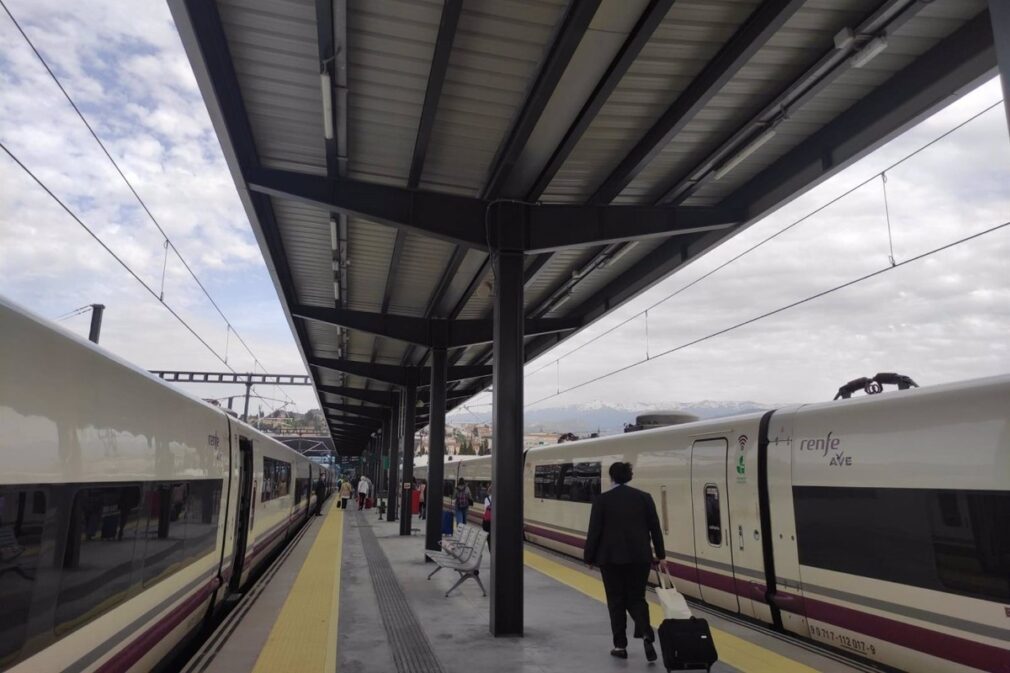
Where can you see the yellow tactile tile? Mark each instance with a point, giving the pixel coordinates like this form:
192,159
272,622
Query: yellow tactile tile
304,637
733,650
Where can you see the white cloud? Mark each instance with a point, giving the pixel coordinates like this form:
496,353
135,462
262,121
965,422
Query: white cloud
125,67
938,320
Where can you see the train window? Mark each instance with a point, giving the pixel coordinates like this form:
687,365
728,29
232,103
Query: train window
545,478
713,515
22,516
301,488
203,506
97,570
574,482
586,482
955,541
164,530
276,478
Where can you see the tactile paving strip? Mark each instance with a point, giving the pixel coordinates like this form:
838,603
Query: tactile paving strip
411,650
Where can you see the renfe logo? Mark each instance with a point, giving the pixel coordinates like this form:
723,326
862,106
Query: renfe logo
822,446
826,445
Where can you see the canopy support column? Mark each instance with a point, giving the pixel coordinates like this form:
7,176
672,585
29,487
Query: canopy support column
436,452
392,475
507,456
407,478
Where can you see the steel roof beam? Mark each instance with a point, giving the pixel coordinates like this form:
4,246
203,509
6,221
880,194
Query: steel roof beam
637,39
371,396
552,227
573,28
739,50
431,332
960,62
353,425
451,10
955,65
651,17
888,17
395,374
463,220
440,215
366,412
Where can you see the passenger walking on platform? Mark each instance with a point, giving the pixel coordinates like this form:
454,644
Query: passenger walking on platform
364,487
486,523
320,495
620,525
345,494
422,487
462,501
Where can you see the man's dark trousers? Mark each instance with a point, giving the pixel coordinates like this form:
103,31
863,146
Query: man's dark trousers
625,587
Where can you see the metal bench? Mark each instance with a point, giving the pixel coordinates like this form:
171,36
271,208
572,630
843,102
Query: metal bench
456,546
467,564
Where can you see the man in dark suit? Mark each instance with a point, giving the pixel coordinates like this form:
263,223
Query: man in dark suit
620,527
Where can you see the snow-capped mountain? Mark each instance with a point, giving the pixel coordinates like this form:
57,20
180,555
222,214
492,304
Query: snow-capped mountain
610,417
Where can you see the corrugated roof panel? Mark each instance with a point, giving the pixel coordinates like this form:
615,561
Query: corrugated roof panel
276,56
422,263
324,339
369,248
390,46
556,270
931,24
597,280
496,55
804,38
305,232
687,39
472,262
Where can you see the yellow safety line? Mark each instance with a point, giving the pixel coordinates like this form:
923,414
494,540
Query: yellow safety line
304,637
733,650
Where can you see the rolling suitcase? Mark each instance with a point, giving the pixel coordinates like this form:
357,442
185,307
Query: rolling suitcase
687,644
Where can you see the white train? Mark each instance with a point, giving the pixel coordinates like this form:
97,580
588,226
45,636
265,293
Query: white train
128,510
878,525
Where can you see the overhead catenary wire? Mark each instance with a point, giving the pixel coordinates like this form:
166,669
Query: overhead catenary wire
75,312
112,253
776,234
121,262
776,311
168,243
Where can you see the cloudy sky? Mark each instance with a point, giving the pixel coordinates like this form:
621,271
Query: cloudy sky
941,319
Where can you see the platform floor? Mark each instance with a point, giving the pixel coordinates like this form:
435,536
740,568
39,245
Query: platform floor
351,595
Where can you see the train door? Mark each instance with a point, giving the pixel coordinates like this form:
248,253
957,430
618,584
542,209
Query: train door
712,525
242,522
786,592
744,505
308,494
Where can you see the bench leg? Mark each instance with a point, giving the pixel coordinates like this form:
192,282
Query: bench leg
437,568
462,578
480,584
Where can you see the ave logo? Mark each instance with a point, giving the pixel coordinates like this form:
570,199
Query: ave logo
828,446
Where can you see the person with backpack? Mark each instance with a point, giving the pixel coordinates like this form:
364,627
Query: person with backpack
486,523
462,501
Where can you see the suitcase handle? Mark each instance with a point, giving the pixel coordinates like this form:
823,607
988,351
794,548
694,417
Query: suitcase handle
665,573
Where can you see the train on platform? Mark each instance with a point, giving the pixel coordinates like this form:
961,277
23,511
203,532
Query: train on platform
129,511
878,525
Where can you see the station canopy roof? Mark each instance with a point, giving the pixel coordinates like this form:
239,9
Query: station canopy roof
372,140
